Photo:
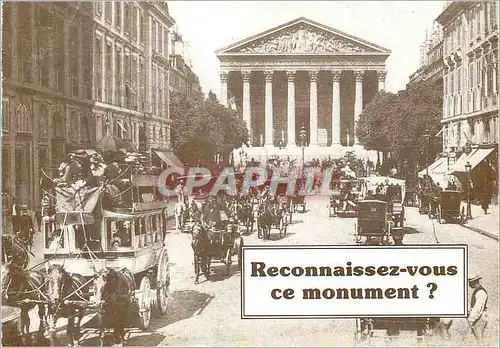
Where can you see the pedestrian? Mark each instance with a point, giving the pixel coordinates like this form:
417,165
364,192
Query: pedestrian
477,316
26,230
15,215
485,201
180,190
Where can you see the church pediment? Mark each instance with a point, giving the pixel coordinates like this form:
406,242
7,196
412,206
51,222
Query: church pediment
302,36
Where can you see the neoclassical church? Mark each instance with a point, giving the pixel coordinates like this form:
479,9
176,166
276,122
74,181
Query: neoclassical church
301,74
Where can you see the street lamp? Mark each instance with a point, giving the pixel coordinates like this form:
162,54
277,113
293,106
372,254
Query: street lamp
427,137
302,137
467,170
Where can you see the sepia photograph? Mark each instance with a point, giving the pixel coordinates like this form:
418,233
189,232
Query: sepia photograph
250,173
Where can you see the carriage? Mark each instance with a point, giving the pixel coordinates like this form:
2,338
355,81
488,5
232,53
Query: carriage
271,216
343,201
450,207
391,191
374,227
285,202
367,327
299,199
374,223
216,239
94,230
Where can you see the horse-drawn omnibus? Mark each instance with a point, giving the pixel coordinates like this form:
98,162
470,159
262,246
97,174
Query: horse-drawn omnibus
110,235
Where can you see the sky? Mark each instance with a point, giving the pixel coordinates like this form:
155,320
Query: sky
397,25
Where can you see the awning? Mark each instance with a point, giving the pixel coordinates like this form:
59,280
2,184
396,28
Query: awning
478,156
474,158
169,158
435,168
459,165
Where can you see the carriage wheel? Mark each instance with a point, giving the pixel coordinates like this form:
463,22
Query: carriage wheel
162,284
144,301
228,261
281,227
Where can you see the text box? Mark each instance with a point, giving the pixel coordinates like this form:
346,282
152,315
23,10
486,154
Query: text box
354,281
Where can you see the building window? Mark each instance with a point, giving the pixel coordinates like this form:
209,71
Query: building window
165,43
73,49
23,119
25,41
142,88
118,74
6,39
160,39
43,120
74,121
153,90
109,73
493,15
142,29
118,14
153,35
109,11
98,69
85,128
160,92
134,83
87,61
58,49
478,22
134,22
128,74
128,19
98,9
58,126
5,116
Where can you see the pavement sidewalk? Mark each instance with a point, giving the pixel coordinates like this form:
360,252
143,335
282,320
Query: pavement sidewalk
486,224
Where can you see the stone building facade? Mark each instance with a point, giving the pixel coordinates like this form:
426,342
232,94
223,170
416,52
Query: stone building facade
73,71
301,73
431,58
131,70
183,79
470,105
47,63
470,51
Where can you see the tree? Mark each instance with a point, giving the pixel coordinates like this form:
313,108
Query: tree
203,128
396,123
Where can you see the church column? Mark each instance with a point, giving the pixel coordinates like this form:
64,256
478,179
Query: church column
381,80
313,108
269,108
291,108
246,100
358,104
336,108
223,88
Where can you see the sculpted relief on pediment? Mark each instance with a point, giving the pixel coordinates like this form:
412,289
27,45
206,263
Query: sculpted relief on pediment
302,39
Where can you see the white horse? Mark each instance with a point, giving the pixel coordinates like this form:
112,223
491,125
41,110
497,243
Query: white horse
179,210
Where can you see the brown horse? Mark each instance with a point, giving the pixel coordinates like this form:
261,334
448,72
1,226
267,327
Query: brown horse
114,290
24,289
201,249
68,295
